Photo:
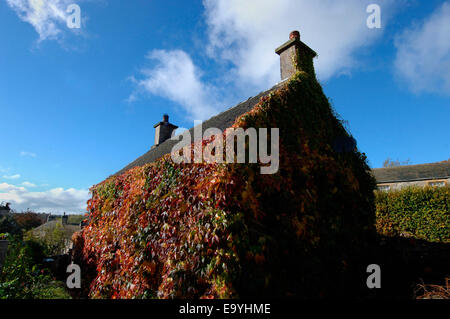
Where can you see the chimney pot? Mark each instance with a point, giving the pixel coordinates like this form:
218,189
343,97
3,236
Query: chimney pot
295,56
163,130
294,35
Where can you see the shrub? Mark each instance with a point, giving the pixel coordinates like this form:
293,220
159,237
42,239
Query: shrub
167,230
422,213
53,239
75,219
23,276
9,225
28,220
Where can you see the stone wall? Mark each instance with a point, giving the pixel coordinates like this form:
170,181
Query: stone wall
400,185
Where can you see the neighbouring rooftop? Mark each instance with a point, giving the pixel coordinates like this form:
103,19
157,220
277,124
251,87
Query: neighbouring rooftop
411,173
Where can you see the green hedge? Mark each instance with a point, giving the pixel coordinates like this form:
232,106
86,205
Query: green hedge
24,276
421,213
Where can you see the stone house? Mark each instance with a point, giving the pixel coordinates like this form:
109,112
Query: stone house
394,178
60,222
261,223
288,66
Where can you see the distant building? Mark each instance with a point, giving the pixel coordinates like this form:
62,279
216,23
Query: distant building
65,219
50,226
394,178
4,209
51,217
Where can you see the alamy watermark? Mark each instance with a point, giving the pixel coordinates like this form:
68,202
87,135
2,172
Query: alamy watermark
374,279
74,279
374,19
73,20
234,146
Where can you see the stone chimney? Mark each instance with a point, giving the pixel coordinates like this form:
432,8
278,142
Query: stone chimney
295,56
163,130
64,219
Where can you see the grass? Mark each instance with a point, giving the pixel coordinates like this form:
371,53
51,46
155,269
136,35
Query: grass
427,291
52,290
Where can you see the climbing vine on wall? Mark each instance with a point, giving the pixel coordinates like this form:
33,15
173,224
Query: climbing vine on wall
167,230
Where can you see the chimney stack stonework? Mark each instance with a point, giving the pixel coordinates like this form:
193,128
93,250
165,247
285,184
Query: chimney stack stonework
295,56
294,35
163,130
64,219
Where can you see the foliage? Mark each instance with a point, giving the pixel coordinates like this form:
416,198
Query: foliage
167,230
23,277
28,220
423,213
50,289
75,219
53,239
9,225
428,291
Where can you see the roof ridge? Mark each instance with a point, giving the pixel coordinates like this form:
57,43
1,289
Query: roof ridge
446,163
221,120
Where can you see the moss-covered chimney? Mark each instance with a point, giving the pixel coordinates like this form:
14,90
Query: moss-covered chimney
163,130
295,56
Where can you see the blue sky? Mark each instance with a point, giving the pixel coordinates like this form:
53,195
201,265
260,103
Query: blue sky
79,104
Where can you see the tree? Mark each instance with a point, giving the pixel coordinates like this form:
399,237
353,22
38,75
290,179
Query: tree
9,225
53,239
24,277
28,220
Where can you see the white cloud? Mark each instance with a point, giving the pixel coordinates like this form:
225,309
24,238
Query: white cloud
175,77
423,53
16,176
56,200
179,131
246,33
5,187
28,184
30,154
48,17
